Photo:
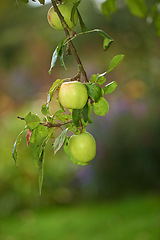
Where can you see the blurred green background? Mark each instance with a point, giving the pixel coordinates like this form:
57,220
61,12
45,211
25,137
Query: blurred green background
117,195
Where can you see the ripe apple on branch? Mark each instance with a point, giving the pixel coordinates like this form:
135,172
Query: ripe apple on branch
78,96
73,95
65,9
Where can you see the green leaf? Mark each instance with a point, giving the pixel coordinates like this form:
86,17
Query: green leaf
115,61
56,53
97,78
94,91
109,7
44,110
76,114
110,87
18,140
107,43
82,24
38,141
32,120
50,95
59,141
40,155
107,39
62,108
75,5
34,136
61,56
100,80
54,59
93,78
68,153
137,7
101,107
54,87
85,113
57,114
71,127
39,134
61,116
40,167
102,33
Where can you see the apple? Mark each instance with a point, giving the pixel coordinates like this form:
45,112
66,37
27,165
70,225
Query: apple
65,9
73,95
82,147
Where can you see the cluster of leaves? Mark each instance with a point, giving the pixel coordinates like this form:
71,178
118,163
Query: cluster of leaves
139,8
60,49
40,131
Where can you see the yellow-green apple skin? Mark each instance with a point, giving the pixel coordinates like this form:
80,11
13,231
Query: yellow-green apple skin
82,147
65,9
73,95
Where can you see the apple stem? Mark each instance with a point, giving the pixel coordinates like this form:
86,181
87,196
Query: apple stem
76,77
71,45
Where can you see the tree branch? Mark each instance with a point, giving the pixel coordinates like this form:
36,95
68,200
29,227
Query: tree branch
67,30
49,124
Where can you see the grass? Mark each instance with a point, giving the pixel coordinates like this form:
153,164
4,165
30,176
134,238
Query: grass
128,219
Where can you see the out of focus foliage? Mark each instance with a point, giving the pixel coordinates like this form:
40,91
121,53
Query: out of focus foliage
128,139
134,218
150,10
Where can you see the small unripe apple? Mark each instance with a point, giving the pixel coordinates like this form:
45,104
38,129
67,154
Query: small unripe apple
82,147
65,9
73,95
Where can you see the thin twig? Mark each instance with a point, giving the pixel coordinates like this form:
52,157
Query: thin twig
67,30
49,124
21,118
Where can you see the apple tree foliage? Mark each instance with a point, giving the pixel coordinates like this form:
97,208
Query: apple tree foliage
150,10
41,130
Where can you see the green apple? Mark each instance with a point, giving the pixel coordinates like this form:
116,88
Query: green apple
82,147
73,95
65,9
